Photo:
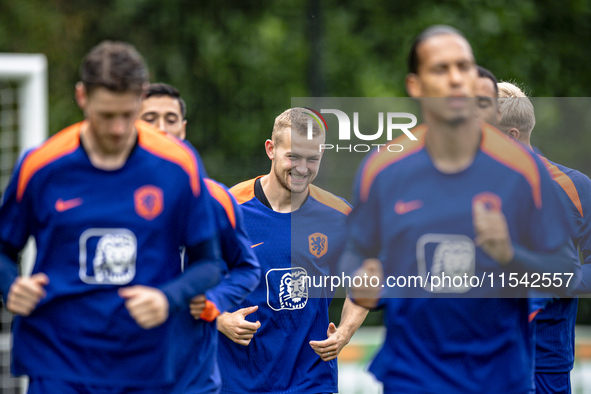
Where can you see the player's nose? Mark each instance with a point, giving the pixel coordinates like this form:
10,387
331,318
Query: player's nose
160,124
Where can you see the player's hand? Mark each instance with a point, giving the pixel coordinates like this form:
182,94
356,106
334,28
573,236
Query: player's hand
197,306
147,305
368,296
236,327
25,293
492,233
330,348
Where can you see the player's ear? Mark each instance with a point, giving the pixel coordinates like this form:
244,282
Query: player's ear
81,95
513,133
413,85
183,130
269,148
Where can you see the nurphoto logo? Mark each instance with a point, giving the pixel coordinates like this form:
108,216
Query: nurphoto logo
345,129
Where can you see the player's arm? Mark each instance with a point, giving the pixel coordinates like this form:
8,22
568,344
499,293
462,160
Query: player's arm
360,256
550,231
352,316
244,269
21,294
583,185
150,306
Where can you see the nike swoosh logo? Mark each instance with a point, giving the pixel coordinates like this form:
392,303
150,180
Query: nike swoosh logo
254,246
402,207
61,205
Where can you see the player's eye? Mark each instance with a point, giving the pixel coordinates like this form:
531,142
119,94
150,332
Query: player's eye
484,102
465,66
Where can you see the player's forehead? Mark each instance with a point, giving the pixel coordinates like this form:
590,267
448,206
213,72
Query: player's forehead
104,100
161,105
443,49
485,87
299,144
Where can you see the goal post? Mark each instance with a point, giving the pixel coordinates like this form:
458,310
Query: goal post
29,71
23,125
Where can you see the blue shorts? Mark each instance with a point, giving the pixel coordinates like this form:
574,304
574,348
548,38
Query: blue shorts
50,386
553,383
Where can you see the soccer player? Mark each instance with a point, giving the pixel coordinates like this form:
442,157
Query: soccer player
486,96
555,324
463,199
164,108
109,201
280,340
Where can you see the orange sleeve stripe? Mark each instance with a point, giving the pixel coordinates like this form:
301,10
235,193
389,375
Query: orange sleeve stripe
565,183
244,191
60,145
533,315
382,159
329,200
513,155
223,198
210,312
169,148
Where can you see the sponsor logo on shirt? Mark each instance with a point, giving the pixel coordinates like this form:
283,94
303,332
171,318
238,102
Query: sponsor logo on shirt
446,256
107,256
287,288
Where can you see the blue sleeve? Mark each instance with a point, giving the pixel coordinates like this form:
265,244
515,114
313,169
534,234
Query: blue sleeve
203,171
550,226
363,223
202,273
244,269
15,217
200,238
364,238
583,237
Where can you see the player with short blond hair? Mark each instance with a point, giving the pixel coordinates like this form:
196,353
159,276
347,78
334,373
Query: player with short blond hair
555,324
280,340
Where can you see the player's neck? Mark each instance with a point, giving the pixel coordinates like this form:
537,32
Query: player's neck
101,158
281,199
452,148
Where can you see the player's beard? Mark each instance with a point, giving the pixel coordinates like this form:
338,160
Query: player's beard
283,179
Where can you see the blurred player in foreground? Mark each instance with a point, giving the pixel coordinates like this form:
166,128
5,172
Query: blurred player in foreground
164,108
298,232
555,324
463,199
109,201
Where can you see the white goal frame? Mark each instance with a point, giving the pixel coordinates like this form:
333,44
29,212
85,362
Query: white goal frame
29,72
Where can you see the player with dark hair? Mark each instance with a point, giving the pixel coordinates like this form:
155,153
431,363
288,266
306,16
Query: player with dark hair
276,341
164,107
486,96
109,201
555,324
463,199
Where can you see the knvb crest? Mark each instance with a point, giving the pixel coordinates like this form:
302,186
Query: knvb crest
318,244
148,201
